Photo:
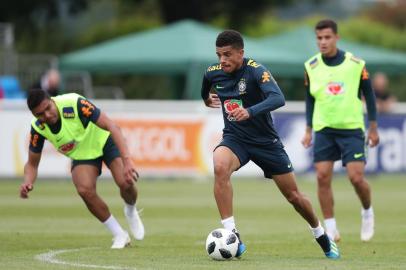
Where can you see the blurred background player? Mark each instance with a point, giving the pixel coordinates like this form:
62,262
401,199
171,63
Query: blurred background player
334,80
80,131
50,82
385,101
247,93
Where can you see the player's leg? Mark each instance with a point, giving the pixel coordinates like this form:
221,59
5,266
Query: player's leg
129,194
128,191
353,148
324,172
84,177
288,187
276,164
355,172
326,150
226,161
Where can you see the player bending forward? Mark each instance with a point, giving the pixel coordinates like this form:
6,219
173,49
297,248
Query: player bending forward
80,131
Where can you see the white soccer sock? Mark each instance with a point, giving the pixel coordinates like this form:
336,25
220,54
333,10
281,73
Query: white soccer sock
318,231
330,224
130,207
229,223
367,212
113,226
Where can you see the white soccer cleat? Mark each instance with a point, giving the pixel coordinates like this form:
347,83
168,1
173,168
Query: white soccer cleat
334,235
121,241
135,223
367,227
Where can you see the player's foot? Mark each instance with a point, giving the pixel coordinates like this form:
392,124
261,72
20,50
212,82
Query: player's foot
241,246
121,241
135,223
333,234
329,247
367,227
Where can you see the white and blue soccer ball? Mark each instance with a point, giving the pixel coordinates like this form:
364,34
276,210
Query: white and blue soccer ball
222,244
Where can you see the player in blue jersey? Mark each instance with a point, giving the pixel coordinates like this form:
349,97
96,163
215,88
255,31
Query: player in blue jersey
247,93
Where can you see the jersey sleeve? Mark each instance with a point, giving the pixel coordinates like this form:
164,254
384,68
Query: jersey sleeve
206,86
273,95
368,92
36,141
87,111
309,101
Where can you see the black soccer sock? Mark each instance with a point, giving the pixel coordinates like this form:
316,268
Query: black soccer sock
324,242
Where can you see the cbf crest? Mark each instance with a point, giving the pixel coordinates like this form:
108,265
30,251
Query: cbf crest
242,86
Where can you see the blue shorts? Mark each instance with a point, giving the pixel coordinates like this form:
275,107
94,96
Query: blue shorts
110,152
271,158
335,144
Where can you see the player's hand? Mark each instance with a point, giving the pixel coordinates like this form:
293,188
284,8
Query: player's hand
24,189
240,114
213,101
130,173
373,137
307,139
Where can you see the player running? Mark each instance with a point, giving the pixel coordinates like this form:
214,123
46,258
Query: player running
247,93
335,81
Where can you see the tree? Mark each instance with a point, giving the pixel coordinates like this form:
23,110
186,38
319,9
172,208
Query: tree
30,14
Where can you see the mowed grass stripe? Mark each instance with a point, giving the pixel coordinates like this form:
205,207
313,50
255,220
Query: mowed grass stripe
178,214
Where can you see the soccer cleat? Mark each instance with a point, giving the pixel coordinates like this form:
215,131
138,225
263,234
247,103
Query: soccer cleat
121,241
329,247
367,228
135,223
241,246
334,234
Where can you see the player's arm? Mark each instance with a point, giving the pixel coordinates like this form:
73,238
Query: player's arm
210,99
368,92
274,98
89,112
31,166
106,123
309,99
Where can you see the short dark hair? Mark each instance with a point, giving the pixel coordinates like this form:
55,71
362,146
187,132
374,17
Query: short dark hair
327,23
230,38
35,97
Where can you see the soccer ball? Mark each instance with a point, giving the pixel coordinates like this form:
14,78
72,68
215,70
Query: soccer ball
222,244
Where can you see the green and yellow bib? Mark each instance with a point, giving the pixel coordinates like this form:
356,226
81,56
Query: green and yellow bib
335,90
73,140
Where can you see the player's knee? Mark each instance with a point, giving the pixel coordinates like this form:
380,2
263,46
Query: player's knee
124,185
356,178
294,197
323,179
221,170
86,193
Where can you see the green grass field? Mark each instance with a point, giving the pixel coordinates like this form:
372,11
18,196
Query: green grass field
178,215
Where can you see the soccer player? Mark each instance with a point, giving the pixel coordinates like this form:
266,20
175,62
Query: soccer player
335,81
247,93
80,131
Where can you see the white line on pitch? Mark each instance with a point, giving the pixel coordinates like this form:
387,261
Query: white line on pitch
50,257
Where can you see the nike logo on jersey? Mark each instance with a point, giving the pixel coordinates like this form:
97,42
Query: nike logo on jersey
358,155
219,86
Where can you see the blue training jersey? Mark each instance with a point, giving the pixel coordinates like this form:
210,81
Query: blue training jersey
252,87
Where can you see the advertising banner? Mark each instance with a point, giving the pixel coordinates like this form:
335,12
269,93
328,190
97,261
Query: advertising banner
164,144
